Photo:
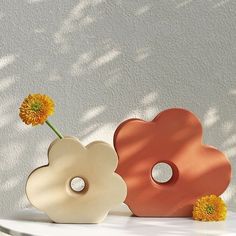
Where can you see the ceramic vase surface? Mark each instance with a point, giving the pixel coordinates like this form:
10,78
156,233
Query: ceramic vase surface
173,137
49,188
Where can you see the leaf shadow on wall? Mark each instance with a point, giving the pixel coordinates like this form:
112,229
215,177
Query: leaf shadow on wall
105,61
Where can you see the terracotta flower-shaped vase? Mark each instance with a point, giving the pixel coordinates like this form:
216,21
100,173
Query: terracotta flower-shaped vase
49,188
175,138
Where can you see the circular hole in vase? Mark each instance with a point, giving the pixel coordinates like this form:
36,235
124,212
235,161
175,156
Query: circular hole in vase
162,172
77,184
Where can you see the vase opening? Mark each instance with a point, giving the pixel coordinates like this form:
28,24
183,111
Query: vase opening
78,184
162,173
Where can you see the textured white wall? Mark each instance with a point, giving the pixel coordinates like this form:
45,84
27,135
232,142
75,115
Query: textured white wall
104,61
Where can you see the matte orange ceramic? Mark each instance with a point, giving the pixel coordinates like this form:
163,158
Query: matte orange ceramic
173,137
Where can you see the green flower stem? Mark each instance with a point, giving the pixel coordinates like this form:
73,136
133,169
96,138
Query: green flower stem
54,129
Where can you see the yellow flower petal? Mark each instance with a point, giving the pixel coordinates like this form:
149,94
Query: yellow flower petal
36,108
209,208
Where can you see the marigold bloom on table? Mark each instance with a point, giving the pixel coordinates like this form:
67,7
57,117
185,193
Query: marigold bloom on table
209,208
36,108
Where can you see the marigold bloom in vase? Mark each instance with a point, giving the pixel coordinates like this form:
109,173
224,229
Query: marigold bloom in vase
209,208
55,189
35,110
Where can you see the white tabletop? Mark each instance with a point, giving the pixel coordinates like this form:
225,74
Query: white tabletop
118,222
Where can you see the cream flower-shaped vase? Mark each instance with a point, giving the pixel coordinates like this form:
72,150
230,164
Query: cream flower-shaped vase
50,188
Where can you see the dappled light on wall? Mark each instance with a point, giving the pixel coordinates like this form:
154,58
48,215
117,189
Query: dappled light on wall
167,57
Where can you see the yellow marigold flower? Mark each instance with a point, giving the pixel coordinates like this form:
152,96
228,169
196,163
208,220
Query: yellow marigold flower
36,108
209,208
